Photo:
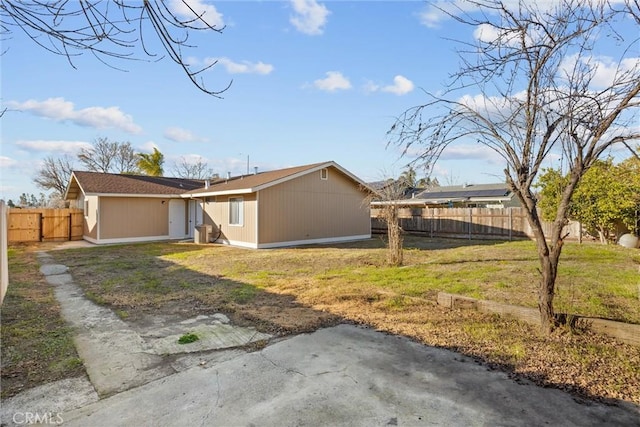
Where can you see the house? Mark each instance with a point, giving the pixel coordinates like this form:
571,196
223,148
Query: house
133,208
317,203
456,196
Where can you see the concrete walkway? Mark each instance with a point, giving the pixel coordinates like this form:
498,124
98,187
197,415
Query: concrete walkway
340,376
118,357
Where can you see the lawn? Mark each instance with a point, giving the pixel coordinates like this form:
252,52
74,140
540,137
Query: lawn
37,345
593,280
294,290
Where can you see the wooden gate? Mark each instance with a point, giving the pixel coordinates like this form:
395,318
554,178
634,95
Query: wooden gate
38,225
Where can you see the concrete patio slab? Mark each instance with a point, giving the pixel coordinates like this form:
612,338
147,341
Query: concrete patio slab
346,376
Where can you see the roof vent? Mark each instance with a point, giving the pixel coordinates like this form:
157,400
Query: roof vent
255,170
207,183
228,175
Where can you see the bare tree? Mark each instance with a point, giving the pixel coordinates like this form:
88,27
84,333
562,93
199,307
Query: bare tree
109,157
111,30
54,174
192,170
125,160
535,69
388,195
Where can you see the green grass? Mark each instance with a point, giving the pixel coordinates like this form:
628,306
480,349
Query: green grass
188,338
243,294
593,280
290,290
37,345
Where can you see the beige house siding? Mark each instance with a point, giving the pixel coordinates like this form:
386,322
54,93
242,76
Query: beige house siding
133,217
216,212
311,208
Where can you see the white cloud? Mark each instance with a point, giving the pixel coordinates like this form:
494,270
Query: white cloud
194,158
185,9
233,67
486,33
310,16
333,82
433,15
438,11
97,117
52,146
606,69
244,67
401,86
471,152
149,146
370,87
182,135
7,162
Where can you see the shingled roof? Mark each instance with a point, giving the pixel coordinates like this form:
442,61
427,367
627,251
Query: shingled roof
258,181
107,183
110,183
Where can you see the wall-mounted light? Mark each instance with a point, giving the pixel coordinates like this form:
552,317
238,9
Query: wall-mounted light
163,201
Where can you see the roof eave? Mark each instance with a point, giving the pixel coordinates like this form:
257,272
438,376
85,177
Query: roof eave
219,193
156,196
72,178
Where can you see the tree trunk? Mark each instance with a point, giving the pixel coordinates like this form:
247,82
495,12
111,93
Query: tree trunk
394,235
549,256
602,236
546,292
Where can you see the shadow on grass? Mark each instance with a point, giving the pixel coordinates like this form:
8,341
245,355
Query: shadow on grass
185,280
137,281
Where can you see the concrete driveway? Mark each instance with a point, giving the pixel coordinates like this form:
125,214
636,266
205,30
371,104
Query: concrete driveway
340,376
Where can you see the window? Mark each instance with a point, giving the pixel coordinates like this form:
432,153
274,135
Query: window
324,173
236,216
86,208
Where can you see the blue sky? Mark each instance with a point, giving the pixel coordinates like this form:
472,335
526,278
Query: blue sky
312,81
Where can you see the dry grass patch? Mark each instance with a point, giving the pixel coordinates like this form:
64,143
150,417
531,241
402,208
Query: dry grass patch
37,346
300,289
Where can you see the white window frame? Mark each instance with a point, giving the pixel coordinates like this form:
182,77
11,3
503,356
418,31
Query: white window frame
239,201
324,174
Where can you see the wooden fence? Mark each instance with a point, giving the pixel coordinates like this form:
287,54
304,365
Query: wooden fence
468,223
4,252
38,225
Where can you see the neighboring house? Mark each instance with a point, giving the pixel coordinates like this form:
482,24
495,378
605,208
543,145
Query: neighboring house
133,208
468,196
318,203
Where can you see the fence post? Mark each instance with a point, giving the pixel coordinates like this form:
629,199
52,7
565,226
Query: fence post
4,256
510,223
41,233
469,223
433,221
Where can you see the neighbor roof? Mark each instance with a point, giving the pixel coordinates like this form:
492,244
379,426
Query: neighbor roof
261,180
457,193
110,183
466,192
